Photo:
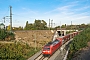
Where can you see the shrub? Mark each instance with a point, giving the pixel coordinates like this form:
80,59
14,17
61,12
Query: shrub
4,35
16,51
79,42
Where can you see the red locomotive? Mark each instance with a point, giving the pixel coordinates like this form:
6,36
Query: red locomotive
51,47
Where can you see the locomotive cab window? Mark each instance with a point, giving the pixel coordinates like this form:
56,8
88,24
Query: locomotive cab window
46,48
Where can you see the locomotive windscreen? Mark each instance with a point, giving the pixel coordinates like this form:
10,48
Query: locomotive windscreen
46,48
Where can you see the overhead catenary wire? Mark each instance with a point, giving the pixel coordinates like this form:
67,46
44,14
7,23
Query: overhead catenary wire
4,15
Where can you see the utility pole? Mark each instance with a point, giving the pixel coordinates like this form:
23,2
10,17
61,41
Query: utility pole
54,24
4,19
35,41
49,24
35,38
71,25
10,18
4,22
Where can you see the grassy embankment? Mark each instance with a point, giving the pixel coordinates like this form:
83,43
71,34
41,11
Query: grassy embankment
79,42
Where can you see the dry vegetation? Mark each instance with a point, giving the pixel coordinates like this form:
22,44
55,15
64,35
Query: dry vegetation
42,37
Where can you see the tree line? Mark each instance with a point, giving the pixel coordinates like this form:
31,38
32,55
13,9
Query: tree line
37,25
42,25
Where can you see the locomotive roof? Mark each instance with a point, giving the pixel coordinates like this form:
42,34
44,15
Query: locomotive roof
51,43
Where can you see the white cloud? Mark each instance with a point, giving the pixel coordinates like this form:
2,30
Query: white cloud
65,14
64,8
68,13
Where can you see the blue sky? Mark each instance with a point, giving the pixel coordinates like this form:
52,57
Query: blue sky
64,11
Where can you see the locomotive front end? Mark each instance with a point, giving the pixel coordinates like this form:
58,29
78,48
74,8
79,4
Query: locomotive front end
46,50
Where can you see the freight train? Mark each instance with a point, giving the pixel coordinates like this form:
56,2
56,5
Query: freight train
51,47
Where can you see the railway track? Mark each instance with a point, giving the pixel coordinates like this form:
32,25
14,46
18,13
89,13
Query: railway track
41,57
65,46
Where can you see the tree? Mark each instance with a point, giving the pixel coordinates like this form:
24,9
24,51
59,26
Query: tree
82,26
57,27
31,26
20,28
63,26
27,26
88,24
44,24
40,24
37,25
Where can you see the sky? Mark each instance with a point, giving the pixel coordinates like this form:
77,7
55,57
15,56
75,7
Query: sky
60,11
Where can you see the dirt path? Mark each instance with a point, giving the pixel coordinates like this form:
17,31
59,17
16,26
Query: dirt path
6,42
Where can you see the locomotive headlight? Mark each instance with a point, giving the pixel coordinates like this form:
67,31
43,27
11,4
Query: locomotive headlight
43,51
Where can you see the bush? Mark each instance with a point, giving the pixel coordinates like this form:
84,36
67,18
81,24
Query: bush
79,42
4,35
16,51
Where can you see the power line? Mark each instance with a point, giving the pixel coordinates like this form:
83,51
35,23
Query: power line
4,14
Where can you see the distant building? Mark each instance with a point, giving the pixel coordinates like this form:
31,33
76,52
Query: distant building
2,26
